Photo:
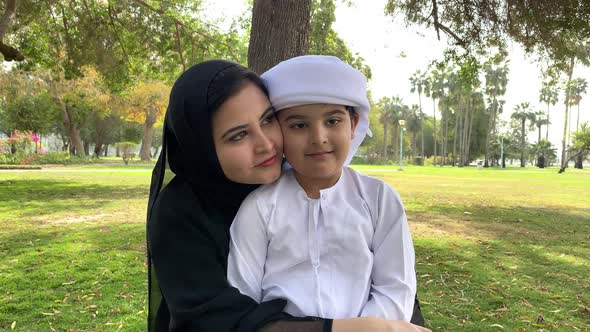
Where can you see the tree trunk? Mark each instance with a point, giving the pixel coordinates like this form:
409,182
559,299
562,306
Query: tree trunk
539,139
9,53
86,148
75,139
564,158
97,149
443,136
280,30
547,129
146,145
434,130
465,134
414,144
385,142
106,150
72,130
522,164
421,126
469,133
578,121
579,162
489,131
461,130
455,141
395,141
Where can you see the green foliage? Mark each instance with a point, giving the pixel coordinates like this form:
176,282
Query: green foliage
33,113
555,28
132,132
324,40
122,39
581,139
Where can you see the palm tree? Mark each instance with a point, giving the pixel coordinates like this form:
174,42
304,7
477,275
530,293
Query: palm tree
397,114
436,90
543,151
496,81
581,143
522,114
548,95
578,88
413,124
540,121
418,82
385,119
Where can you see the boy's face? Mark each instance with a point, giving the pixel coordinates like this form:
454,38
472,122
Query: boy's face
317,138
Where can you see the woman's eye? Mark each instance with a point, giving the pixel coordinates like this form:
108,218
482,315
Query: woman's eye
268,119
238,137
333,122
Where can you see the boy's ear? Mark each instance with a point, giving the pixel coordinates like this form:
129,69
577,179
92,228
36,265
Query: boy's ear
354,121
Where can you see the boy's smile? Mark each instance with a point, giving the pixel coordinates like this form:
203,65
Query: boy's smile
317,139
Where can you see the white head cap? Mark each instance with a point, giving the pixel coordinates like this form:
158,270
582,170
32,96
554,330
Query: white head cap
320,79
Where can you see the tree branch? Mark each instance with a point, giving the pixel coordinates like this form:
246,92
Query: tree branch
110,12
435,15
179,48
449,32
8,17
181,24
10,53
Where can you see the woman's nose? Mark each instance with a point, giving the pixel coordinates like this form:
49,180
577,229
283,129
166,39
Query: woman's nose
262,143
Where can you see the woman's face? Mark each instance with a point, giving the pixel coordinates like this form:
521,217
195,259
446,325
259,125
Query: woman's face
247,137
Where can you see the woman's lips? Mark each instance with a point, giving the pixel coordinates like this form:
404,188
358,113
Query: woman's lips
268,162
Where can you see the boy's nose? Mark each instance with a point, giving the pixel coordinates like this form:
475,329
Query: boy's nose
318,136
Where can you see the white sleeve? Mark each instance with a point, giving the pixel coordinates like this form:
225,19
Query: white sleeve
248,246
393,276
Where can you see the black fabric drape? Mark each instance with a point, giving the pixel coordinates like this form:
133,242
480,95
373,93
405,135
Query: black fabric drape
188,225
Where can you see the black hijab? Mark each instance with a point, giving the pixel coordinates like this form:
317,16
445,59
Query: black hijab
188,220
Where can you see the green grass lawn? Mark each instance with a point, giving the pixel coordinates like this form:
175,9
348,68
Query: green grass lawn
495,249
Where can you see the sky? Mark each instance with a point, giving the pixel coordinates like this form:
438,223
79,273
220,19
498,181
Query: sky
380,40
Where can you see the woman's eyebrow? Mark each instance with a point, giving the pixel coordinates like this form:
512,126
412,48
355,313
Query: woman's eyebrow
270,109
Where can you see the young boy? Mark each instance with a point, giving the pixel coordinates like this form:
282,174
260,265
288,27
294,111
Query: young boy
331,241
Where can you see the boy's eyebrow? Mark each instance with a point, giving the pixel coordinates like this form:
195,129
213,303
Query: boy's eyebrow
270,109
336,111
294,117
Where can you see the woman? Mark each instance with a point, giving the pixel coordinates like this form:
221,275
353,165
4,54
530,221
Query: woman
220,140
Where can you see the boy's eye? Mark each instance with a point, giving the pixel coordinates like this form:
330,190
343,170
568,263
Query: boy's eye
333,122
238,137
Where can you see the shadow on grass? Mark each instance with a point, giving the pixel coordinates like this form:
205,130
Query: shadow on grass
522,224
28,198
473,286
75,269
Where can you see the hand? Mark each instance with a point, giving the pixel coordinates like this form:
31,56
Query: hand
372,324
403,326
